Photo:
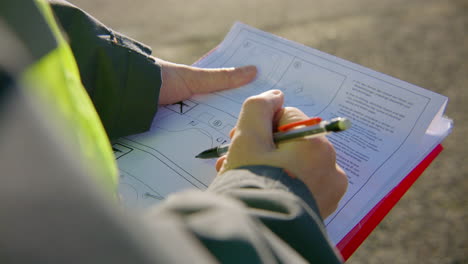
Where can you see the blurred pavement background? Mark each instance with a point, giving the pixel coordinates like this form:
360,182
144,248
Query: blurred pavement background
424,42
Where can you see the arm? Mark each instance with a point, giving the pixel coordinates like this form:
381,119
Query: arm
125,82
284,205
259,213
252,214
118,73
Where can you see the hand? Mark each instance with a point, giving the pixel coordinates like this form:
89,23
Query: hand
180,82
312,161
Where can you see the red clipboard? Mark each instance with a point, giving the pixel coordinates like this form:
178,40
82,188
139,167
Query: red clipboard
361,231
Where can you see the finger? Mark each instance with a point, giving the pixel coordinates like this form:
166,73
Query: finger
219,163
231,133
290,115
256,118
277,118
211,80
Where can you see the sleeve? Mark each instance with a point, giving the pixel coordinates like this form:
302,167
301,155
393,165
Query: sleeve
254,214
120,76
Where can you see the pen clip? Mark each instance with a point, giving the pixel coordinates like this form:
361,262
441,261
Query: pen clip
309,122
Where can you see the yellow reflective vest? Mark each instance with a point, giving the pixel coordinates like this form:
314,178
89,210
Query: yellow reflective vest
54,80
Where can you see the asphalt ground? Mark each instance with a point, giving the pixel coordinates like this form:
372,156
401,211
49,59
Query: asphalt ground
424,42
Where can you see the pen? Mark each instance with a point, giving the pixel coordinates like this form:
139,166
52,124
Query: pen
323,128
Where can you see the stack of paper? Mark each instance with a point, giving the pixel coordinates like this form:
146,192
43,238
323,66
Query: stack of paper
396,125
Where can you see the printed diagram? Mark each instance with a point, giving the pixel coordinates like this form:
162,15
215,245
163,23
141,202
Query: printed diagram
267,67
162,161
134,193
268,62
182,107
306,85
309,87
120,150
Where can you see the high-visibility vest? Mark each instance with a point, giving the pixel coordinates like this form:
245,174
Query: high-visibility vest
54,81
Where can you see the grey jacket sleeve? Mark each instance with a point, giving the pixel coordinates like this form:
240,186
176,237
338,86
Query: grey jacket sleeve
54,212
255,214
118,73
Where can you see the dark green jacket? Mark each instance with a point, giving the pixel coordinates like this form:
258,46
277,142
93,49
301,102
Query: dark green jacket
255,214
119,74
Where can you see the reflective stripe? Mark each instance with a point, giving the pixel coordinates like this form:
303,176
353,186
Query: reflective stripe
55,80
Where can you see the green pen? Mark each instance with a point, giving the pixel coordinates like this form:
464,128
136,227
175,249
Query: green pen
323,128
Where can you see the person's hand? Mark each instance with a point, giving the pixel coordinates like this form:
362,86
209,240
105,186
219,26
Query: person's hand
313,161
180,82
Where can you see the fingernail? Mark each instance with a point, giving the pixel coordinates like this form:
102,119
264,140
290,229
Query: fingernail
276,92
246,71
273,92
249,69
243,75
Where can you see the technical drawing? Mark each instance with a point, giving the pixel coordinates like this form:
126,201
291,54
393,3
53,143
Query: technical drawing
306,85
162,156
161,161
136,194
181,107
309,87
266,59
120,150
252,52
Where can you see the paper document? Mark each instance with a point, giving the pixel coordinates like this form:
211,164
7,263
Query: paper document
389,135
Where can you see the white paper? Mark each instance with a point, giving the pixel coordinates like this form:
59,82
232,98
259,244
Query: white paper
390,120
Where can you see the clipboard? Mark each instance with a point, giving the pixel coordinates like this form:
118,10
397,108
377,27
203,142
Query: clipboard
350,243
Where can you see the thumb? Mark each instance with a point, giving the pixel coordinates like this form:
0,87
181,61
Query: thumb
255,124
291,115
